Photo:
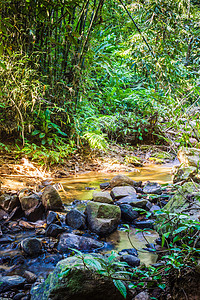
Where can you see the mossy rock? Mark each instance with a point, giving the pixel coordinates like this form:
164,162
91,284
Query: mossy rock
76,284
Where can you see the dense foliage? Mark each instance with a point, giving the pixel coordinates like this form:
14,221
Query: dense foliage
74,71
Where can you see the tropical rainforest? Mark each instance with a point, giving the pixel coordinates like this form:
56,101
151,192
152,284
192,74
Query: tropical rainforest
89,73
86,78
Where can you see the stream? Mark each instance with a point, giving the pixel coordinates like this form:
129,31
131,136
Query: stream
12,262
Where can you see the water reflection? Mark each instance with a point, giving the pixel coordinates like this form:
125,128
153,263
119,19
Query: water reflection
82,186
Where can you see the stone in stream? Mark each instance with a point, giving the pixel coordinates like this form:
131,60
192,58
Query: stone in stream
51,199
9,282
28,199
31,246
54,230
30,277
76,219
144,224
152,188
130,251
103,197
122,180
127,213
142,296
104,185
9,202
131,260
102,218
154,208
133,201
122,191
35,213
52,217
3,215
78,283
73,241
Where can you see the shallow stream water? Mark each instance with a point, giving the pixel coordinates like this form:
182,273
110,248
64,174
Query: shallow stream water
81,188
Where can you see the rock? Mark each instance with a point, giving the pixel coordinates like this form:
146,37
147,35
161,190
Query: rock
186,174
102,218
3,215
1,233
104,185
52,217
152,188
35,213
9,202
189,156
76,219
133,201
142,296
186,198
9,282
27,199
103,197
51,199
54,230
122,191
155,208
73,241
127,213
144,224
130,251
19,296
31,246
30,277
78,283
122,180
131,260
148,205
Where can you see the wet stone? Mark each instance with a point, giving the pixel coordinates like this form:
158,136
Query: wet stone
19,296
122,180
144,224
104,185
122,191
155,208
30,277
142,296
3,215
52,217
152,188
9,282
27,199
69,240
31,246
127,213
130,251
54,230
133,201
131,260
76,219
35,213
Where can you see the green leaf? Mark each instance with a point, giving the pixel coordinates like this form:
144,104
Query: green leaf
180,229
121,287
41,135
35,132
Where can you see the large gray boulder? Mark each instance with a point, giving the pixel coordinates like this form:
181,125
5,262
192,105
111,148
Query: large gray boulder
71,281
103,197
133,201
122,180
119,192
51,199
102,218
73,241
